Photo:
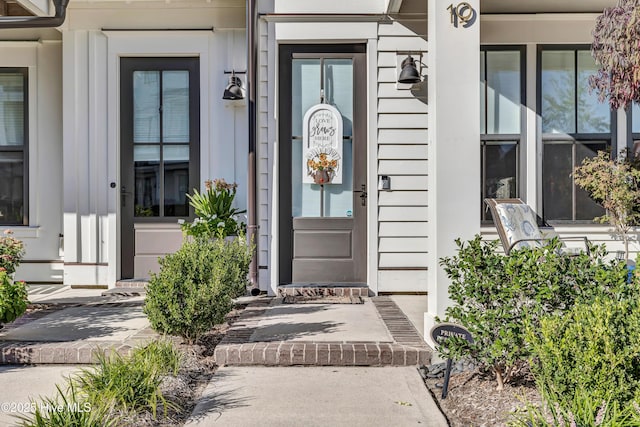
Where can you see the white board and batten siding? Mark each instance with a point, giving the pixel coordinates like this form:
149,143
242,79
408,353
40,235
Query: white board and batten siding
403,156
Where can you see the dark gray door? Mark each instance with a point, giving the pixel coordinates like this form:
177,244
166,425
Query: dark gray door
322,226
159,154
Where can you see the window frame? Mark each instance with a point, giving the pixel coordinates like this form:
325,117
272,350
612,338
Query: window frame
493,139
24,148
572,139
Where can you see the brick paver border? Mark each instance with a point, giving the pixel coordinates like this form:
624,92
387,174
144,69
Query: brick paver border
408,348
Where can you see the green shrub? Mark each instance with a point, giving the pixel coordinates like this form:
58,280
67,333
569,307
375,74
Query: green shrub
593,347
130,383
494,293
11,252
194,289
13,298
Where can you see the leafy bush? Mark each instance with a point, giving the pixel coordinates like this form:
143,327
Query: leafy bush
195,286
494,293
11,252
216,216
594,348
13,298
615,184
130,383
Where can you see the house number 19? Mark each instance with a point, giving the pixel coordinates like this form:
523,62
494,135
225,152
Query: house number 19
463,13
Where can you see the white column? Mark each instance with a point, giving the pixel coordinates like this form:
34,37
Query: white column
454,142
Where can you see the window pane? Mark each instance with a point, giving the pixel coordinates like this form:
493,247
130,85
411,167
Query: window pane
500,173
338,89
635,117
558,92
175,106
557,186
483,88
593,116
11,188
176,180
146,163
11,109
305,88
503,92
146,106
586,208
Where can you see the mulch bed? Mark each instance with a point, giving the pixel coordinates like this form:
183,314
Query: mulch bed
473,400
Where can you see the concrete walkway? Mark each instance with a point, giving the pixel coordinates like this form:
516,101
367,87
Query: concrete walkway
312,396
357,363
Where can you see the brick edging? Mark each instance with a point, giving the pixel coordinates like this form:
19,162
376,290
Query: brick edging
408,348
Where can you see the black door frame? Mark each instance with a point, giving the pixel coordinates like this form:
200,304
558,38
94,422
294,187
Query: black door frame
285,220
127,176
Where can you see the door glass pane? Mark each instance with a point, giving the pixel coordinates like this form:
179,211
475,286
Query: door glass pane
146,106
586,208
176,180
338,89
312,200
11,109
503,92
593,116
146,163
635,116
305,81
557,186
175,106
558,92
11,188
483,88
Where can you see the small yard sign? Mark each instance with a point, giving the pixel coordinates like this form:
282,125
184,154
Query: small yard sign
439,334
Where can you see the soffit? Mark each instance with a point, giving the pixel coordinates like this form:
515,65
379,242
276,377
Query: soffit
13,8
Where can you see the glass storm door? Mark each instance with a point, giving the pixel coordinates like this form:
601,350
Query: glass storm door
323,194
159,151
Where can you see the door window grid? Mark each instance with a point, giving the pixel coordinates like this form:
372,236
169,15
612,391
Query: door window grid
161,143
331,78
13,146
574,126
502,94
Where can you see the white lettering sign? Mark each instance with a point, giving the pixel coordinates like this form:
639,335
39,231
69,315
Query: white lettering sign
322,145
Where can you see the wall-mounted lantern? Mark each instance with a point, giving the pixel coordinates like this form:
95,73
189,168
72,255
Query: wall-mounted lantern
409,73
234,90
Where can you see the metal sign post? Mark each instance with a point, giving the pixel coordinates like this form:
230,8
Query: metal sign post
440,334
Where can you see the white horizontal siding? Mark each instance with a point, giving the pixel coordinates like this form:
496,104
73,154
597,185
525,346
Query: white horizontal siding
402,121
402,136
402,198
403,244
400,105
402,281
402,167
393,152
403,260
403,156
403,213
403,229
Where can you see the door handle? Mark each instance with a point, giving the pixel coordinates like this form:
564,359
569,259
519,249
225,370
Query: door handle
363,194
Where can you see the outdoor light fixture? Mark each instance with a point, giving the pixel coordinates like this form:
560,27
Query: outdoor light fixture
234,88
409,72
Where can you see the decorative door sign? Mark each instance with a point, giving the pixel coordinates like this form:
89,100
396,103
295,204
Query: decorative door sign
322,145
